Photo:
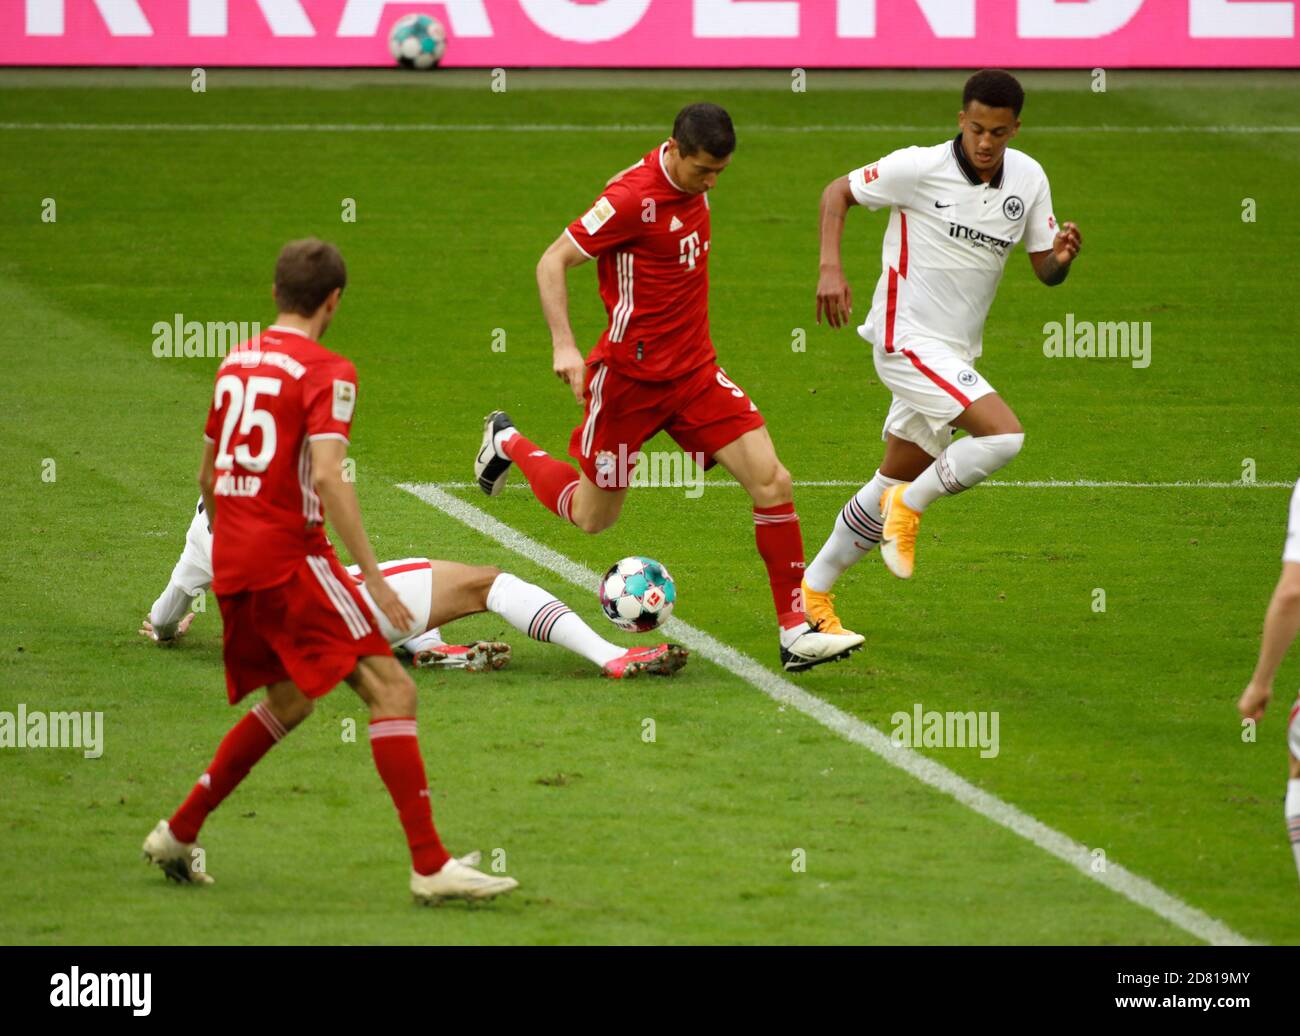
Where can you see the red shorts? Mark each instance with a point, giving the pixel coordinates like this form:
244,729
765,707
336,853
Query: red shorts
311,629
703,411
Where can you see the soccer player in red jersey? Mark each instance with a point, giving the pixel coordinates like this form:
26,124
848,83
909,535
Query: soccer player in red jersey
294,621
655,369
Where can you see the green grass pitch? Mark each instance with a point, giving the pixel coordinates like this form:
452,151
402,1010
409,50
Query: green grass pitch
1117,727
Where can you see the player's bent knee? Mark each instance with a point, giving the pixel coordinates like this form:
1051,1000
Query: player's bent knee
396,694
1003,447
775,488
594,523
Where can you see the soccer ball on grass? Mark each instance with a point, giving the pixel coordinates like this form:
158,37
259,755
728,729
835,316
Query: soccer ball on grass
637,594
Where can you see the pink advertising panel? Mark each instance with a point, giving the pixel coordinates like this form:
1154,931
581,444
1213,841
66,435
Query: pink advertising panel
661,33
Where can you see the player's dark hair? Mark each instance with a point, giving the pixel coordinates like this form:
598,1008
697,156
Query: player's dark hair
305,275
996,88
704,127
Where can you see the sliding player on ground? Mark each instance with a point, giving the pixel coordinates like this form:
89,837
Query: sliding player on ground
294,622
957,210
655,368
436,593
1281,623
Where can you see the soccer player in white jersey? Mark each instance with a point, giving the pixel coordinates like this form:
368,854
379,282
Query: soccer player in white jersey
435,593
957,210
1281,623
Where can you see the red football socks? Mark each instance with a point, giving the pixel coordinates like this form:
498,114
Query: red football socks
397,758
552,481
780,544
247,741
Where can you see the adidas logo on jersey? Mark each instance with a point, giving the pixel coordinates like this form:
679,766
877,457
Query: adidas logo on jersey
676,224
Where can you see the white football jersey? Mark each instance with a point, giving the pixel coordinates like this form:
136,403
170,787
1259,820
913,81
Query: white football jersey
947,242
1291,549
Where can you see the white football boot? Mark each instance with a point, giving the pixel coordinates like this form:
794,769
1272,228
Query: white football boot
459,879
813,647
482,656
180,861
490,466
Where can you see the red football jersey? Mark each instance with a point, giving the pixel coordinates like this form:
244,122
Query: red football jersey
274,394
651,243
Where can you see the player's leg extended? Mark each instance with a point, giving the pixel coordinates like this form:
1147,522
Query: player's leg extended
752,460
1293,784
993,440
559,486
385,687
857,529
460,590
172,842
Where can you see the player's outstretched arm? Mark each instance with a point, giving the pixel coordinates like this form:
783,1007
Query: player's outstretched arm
553,287
208,479
833,295
1281,624
340,502
1053,265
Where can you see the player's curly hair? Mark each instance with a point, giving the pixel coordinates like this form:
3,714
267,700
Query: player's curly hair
996,88
305,275
704,127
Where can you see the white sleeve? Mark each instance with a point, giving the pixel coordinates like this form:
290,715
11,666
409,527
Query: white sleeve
891,181
1291,552
1040,224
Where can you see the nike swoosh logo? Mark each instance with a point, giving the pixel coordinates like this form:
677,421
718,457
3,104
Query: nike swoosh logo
948,206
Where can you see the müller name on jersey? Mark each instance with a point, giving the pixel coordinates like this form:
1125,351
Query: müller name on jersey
237,485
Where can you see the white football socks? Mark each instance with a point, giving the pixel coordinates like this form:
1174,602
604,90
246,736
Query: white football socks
501,438
1293,817
856,532
425,641
965,463
541,615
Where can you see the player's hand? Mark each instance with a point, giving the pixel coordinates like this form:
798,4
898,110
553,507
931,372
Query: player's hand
570,367
834,297
148,632
1067,244
1254,700
387,601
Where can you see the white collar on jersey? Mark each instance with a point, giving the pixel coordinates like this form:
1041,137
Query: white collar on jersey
662,148
288,330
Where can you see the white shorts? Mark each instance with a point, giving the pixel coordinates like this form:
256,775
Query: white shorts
1293,731
412,581
193,570
932,384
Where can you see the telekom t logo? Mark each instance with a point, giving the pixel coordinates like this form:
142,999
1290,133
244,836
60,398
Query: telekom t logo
689,247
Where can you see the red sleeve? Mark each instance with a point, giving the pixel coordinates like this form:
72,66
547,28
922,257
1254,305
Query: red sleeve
212,426
329,398
613,220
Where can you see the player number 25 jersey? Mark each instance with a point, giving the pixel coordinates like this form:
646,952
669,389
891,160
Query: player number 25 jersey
273,396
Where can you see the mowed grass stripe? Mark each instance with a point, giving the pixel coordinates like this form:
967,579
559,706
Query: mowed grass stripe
1115,877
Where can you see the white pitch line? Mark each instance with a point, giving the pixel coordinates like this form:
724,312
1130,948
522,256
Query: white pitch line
573,127
1051,483
1118,879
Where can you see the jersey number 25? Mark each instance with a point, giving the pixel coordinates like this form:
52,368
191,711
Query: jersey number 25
243,408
